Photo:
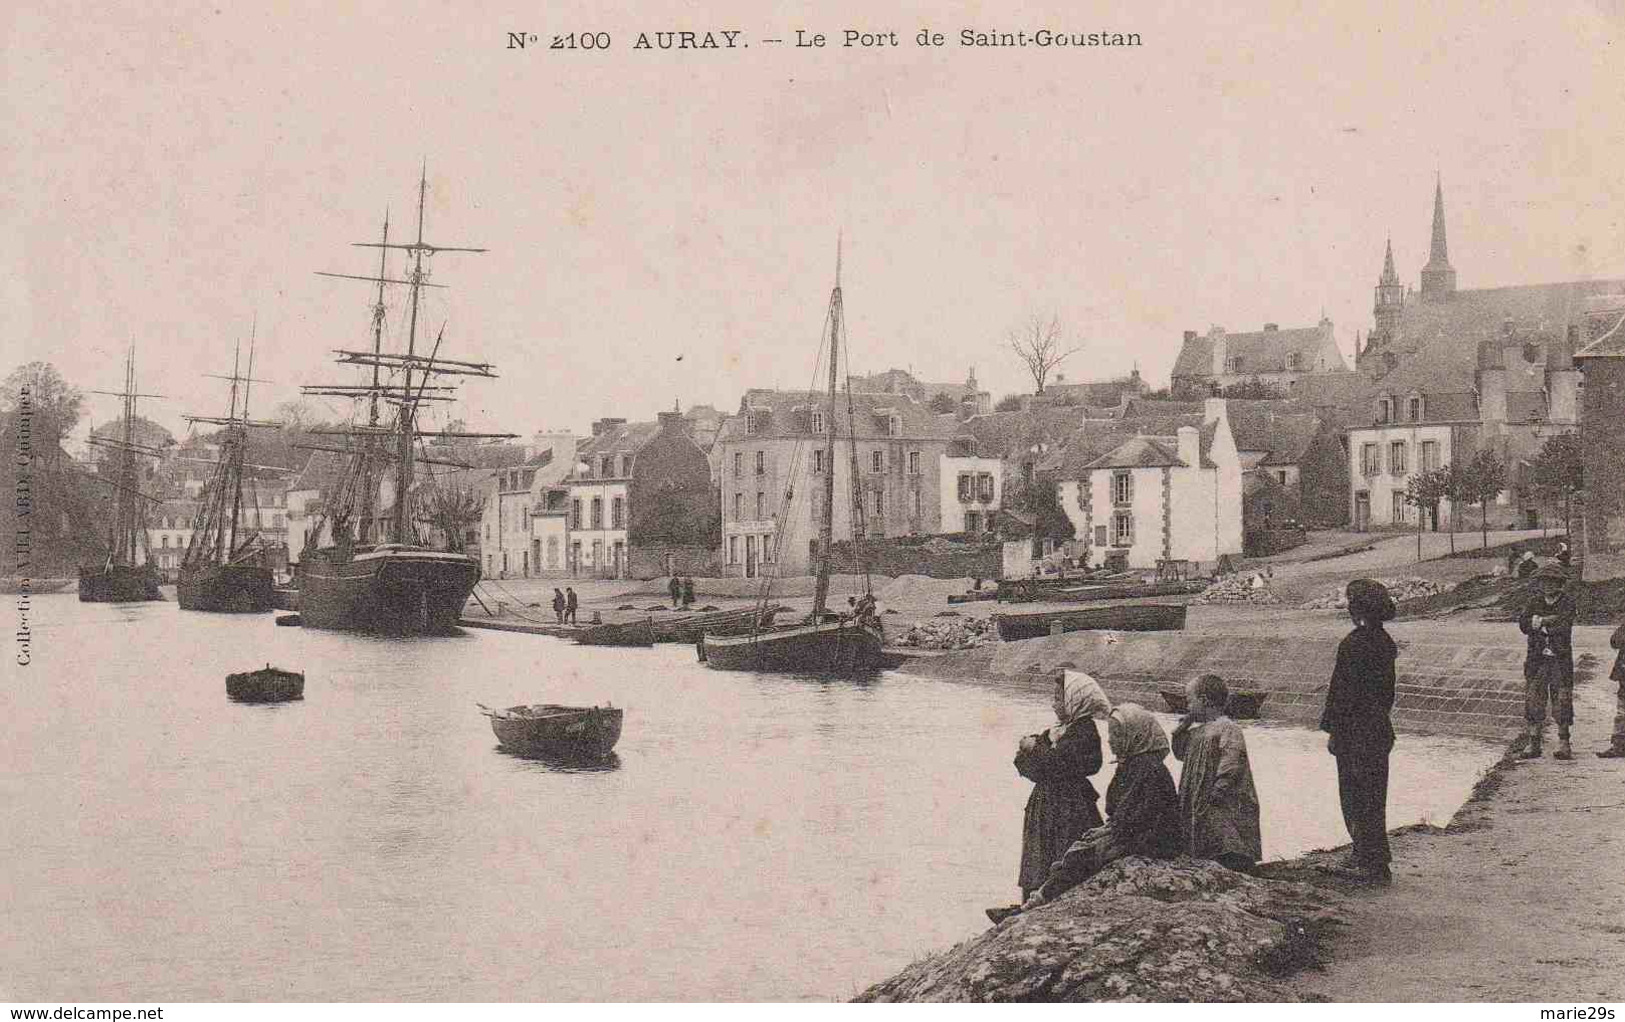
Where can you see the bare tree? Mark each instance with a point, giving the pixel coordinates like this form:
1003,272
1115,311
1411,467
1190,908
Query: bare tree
450,507
1040,348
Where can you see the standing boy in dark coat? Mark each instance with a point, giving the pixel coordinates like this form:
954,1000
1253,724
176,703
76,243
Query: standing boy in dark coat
570,604
1548,667
558,604
688,593
1361,735
676,590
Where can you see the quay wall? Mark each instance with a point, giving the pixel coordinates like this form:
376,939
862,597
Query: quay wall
1441,687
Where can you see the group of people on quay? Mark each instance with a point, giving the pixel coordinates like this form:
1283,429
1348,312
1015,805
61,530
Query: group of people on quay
565,603
682,592
1213,812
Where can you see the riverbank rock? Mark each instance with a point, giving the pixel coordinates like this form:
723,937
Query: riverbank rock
1249,587
1401,589
1140,930
951,633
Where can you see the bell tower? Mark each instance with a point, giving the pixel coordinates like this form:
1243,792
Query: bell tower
1390,298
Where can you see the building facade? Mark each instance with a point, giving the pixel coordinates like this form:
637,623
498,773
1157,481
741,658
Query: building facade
775,463
972,490
1271,355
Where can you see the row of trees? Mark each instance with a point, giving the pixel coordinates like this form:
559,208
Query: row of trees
1555,477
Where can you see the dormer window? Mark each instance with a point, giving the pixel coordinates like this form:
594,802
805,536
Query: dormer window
1384,410
1292,360
1232,364
1413,409
894,426
817,422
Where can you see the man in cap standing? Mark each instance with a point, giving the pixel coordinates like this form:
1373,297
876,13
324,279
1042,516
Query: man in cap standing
1548,667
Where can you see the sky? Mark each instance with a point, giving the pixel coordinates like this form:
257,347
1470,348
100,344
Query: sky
177,178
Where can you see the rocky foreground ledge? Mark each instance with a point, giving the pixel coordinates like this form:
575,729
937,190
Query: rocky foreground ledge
1140,930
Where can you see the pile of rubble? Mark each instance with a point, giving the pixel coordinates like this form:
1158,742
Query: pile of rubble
1401,589
1250,587
950,633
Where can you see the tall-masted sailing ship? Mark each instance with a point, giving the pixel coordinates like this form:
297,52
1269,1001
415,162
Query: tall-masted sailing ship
119,578
219,573
377,574
826,643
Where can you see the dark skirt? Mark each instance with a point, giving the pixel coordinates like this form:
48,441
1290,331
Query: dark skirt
1054,820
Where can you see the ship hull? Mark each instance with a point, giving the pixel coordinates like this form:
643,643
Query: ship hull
399,591
118,583
225,588
835,648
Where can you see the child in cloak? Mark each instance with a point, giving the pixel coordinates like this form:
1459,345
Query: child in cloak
1218,804
1548,666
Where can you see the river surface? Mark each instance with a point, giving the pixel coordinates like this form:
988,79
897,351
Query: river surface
757,838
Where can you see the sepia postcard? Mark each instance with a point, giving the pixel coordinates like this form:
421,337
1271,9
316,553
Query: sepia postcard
726,502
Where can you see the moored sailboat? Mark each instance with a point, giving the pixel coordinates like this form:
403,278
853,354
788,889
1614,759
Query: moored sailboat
378,575
126,574
825,643
217,572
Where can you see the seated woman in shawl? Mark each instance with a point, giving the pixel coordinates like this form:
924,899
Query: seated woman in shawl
1218,805
1142,807
1059,762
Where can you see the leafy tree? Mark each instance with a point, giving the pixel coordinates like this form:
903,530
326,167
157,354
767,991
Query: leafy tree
1039,346
1425,491
943,404
55,407
1041,498
1482,479
1009,403
1558,472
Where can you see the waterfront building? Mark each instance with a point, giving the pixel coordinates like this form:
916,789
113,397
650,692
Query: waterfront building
1273,356
775,446
1602,428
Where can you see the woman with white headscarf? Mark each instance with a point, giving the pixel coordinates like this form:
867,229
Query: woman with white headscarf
1059,762
1142,807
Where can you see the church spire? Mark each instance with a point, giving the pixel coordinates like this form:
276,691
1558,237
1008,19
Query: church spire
1388,274
1439,253
1438,277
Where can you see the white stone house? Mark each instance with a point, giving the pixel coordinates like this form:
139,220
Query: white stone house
972,491
1157,498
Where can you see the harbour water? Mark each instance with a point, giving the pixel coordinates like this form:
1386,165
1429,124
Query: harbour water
757,837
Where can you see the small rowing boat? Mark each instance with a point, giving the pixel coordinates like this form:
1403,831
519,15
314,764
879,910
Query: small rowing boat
1123,617
564,732
634,633
267,685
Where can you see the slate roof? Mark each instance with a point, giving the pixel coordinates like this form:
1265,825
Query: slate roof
1263,351
1008,434
1609,345
787,413
622,438
1155,451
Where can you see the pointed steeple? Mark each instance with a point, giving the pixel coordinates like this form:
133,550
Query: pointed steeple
1438,277
1388,274
1439,252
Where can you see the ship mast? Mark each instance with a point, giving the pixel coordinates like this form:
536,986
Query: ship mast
826,527
127,514
406,394
214,536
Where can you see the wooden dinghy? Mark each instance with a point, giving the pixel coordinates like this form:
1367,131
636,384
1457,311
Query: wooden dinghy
1127,617
554,731
690,629
1242,705
635,633
267,685
1138,591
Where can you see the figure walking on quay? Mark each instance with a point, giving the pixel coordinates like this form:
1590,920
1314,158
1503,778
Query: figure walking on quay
675,587
1548,668
558,604
1059,762
1356,718
570,604
1218,803
688,592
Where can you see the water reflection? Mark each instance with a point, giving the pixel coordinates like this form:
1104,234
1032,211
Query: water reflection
563,763
754,837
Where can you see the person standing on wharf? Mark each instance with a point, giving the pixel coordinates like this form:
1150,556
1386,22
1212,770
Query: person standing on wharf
1359,702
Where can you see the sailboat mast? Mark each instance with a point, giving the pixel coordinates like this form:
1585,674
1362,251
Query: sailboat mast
364,464
406,420
826,527
239,440
127,464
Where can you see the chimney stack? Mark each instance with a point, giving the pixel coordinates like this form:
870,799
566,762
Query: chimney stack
1270,328
1190,446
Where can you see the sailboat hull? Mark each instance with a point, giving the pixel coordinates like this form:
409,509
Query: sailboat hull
118,583
834,648
395,591
225,588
